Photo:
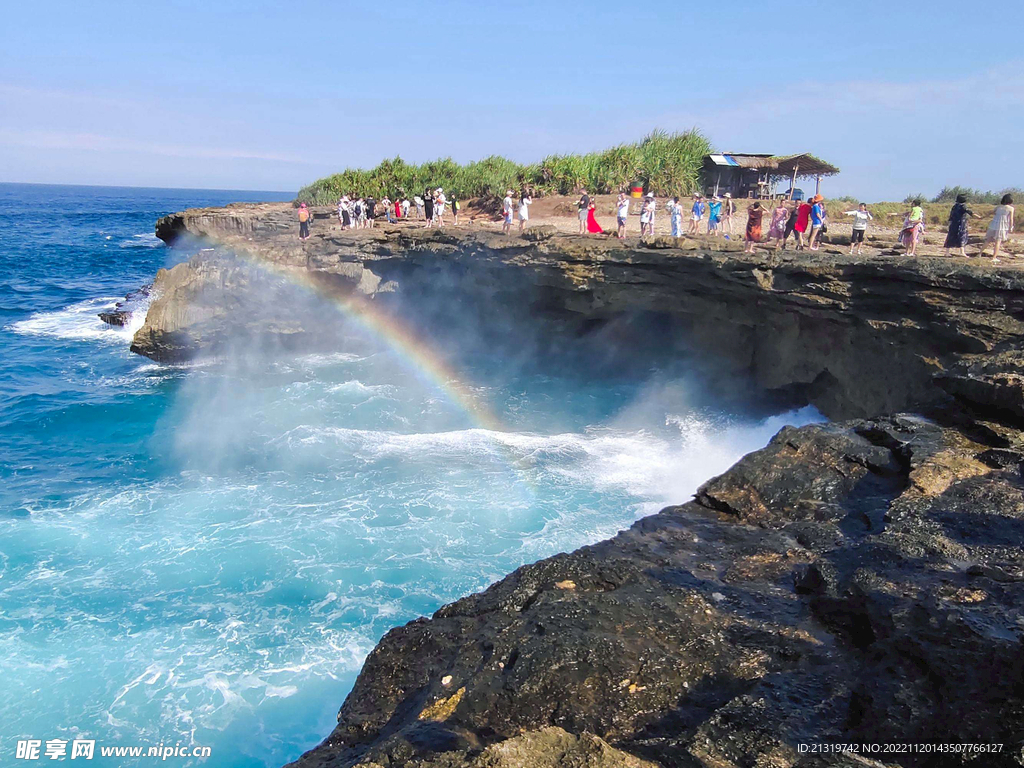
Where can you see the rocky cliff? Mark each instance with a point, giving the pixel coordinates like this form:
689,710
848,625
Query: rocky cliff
858,582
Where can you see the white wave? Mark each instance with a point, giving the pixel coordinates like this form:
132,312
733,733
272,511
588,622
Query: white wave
142,240
81,321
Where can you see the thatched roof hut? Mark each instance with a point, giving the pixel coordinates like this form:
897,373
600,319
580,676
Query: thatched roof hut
756,175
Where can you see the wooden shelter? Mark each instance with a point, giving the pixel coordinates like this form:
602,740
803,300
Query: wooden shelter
758,175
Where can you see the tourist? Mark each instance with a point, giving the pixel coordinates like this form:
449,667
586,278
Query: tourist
388,213
358,217
370,209
647,215
803,216
696,215
524,210
675,213
454,203
913,227
398,208
791,227
428,208
405,207
621,212
592,226
304,217
727,214
714,215
439,203
753,235
777,226
1000,228
582,206
861,217
817,221
956,235
418,202
344,217
506,213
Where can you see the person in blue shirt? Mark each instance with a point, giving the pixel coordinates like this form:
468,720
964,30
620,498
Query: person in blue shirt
817,220
696,215
714,215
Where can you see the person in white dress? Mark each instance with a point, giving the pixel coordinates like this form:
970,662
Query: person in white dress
1000,228
524,210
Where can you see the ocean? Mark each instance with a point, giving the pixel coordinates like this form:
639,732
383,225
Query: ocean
203,555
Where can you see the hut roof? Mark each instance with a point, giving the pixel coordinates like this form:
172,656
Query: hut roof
805,164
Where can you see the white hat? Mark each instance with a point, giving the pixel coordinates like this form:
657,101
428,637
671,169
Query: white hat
728,194
650,194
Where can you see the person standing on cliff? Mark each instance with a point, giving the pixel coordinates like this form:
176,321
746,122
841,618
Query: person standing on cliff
803,215
428,208
405,207
304,217
439,203
861,217
755,215
817,221
418,202
453,202
696,215
956,234
582,206
371,210
524,210
507,209
386,202
675,213
729,208
621,212
714,215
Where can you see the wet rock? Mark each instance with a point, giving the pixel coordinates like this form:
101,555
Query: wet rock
122,312
813,593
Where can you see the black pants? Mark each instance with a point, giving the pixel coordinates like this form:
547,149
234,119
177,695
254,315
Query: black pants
303,229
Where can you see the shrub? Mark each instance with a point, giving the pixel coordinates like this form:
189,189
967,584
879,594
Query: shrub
664,163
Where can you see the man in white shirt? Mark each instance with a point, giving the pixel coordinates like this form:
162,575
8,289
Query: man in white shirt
621,212
506,212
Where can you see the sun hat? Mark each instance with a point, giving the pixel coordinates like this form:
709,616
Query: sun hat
650,194
728,194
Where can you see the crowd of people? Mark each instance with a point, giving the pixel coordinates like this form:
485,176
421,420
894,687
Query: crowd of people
806,221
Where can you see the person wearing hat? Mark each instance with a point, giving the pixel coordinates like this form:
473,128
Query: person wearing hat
507,207
582,206
304,217
621,212
439,202
647,215
714,214
817,221
729,208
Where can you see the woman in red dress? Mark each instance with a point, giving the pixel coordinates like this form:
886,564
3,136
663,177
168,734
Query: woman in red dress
398,207
592,225
754,216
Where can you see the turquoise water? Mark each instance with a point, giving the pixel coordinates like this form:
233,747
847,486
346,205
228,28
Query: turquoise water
204,555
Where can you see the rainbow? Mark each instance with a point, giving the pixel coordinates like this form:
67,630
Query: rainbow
414,351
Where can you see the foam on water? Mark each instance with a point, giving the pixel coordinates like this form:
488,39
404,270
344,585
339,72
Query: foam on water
80,321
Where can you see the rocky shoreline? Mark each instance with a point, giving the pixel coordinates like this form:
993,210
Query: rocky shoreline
855,582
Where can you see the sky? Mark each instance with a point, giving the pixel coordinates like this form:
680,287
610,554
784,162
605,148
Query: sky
903,98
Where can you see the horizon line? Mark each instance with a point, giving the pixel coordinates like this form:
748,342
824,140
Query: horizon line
142,186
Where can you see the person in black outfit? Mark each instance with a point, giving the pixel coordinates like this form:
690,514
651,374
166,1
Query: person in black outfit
428,206
790,224
371,205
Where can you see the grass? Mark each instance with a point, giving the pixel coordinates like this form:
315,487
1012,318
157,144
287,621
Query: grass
664,163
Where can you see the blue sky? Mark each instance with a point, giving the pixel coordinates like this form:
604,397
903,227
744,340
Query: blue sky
251,95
